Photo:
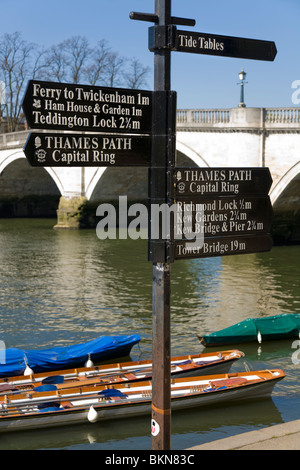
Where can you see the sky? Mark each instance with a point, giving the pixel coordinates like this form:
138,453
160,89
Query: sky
200,81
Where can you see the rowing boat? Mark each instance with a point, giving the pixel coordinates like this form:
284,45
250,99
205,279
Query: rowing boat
181,366
73,406
270,328
17,361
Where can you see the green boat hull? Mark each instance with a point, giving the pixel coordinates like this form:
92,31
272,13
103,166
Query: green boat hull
271,328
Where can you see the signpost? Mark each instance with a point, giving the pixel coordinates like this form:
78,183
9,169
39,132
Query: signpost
111,122
223,181
213,44
65,106
223,216
100,126
104,150
222,246
226,210
167,184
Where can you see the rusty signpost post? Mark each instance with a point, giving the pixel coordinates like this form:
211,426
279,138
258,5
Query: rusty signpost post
164,38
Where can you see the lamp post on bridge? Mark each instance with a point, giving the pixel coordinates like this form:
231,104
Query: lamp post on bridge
242,76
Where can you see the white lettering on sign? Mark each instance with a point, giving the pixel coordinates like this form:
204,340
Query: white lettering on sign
55,105
39,91
212,181
200,42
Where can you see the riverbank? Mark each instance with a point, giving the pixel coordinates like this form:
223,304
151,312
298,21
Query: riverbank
285,436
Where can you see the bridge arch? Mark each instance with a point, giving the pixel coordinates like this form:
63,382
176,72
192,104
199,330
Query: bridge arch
94,181
9,158
191,154
110,183
284,183
286,206
19,154
26,191
121,178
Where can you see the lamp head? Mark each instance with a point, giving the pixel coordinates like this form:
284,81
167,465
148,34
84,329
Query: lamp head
242,75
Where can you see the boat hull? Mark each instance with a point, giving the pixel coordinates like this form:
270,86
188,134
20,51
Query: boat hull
116,410
181,366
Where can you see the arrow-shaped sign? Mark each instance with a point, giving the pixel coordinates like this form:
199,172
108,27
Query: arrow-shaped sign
199,182
210,44
85,108
70,150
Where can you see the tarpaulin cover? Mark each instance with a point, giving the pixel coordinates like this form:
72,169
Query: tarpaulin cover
271,328
244,331
100,349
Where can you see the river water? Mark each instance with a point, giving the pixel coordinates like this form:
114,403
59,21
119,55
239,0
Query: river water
63,287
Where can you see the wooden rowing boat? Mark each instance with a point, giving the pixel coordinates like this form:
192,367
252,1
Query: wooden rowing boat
97,403
181,366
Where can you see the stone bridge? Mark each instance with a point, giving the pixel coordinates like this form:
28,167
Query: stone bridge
237,137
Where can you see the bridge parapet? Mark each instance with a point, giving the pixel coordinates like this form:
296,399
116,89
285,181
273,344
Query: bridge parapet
290,116
13,140
198,119
239,118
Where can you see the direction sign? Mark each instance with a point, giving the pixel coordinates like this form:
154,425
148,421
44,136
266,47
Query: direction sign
222,216
219,206
222,246
220,181
73,107
104,150
226,46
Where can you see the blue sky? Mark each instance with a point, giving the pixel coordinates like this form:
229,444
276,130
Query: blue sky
200,81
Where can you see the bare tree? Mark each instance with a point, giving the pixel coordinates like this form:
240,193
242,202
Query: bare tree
77,52
56,68
136,75
39,64
15,58
94,72
113,69
66,61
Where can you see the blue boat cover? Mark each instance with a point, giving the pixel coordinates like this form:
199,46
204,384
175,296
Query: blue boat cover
112,392
100,349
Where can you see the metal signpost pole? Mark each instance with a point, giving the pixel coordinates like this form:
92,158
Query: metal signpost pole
161,341
161,38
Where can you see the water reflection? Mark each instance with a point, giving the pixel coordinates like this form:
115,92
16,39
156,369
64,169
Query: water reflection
189,427
62,287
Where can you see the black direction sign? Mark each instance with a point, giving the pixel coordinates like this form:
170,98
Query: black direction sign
223,216
226,46
69,150
74,107
220,181
222,246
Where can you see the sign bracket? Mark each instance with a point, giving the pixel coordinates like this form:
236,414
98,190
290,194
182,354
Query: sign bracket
155,19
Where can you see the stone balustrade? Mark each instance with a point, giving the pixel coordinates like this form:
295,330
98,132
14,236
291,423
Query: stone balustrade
13,140
191,119
268,118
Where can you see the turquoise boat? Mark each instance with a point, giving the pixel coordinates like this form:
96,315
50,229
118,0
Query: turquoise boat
284,326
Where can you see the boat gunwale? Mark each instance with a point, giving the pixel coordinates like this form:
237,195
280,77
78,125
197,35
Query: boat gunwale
103,405
99,372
